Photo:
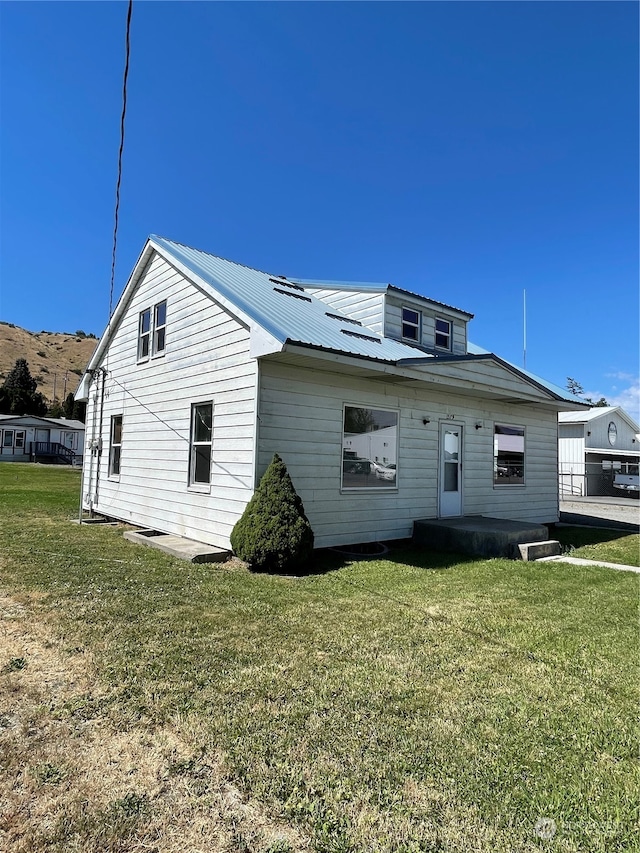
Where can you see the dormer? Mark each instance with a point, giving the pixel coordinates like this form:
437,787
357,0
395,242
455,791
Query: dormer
395,313
425,323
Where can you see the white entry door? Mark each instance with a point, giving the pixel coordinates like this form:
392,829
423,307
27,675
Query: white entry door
450,470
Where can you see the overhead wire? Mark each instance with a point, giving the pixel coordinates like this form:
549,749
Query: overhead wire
120,152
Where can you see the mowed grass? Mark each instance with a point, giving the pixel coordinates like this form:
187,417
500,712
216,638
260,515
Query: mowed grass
420,702
592,543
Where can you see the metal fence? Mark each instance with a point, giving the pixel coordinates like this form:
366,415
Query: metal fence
591,478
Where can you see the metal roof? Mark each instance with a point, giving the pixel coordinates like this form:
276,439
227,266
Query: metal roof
61,422
596,412
285,309
377,287
562,393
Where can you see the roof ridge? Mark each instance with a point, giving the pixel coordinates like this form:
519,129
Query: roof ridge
211,255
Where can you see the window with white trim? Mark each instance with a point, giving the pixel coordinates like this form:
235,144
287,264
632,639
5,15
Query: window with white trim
411,324
152,331
19,441
144,333
7,438
369,448
115,445
159,327
508,455
443,333
200,444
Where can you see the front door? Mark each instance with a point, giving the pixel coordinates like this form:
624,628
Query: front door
450,470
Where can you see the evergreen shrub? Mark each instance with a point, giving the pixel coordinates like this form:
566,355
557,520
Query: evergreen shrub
273,534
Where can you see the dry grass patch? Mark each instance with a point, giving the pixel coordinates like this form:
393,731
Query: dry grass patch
71,779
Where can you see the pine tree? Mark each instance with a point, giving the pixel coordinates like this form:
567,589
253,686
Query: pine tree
273,534
20,396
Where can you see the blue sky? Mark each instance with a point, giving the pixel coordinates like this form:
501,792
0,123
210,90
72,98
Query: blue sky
465,151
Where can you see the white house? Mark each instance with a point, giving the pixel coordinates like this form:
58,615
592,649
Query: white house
208,367
594,446
29,438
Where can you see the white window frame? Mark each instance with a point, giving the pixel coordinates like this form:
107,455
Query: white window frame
159,329
502,482
446,334
20,439
376,484
410,324
8,434
199,485
115,447
144,336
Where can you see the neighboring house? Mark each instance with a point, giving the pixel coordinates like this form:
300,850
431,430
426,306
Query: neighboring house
208,367
30,438
594,447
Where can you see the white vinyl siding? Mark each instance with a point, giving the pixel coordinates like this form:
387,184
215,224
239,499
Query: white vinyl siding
301,418
208,360
429,315
366,307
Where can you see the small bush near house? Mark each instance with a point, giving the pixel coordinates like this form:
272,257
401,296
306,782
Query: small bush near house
273,534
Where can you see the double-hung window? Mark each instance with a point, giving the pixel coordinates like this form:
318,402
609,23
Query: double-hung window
508,455
159,327
152,331
115,445
443,333
411,324
144,334
200,444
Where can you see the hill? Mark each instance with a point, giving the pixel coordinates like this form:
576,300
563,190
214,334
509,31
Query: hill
56,359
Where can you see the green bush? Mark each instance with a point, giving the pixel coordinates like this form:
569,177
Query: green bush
273,534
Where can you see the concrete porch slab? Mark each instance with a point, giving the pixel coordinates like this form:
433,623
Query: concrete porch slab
178,546
478,535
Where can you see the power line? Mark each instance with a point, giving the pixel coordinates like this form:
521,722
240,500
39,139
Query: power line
119,179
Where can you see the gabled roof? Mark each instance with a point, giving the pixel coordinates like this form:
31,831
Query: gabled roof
63,423
282,313
597,412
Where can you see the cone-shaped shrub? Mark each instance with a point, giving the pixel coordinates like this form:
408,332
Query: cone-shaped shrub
273,534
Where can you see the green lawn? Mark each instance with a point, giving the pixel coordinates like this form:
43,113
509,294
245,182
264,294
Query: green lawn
421,702
592,543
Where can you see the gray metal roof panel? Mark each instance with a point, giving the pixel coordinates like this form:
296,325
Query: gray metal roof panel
287,314
297,316
376,287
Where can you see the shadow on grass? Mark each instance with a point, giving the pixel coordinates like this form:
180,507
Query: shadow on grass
579,536
400,552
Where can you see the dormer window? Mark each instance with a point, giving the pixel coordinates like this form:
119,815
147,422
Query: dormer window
443,333
411,324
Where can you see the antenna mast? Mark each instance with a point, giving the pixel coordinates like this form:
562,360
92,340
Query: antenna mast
524,329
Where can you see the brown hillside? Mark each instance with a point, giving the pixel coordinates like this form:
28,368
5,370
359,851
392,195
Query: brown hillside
53,357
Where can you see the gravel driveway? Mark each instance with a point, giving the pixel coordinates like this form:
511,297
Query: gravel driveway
619,513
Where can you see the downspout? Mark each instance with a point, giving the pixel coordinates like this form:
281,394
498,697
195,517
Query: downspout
98,444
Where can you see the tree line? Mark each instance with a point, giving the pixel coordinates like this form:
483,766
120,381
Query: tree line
19,395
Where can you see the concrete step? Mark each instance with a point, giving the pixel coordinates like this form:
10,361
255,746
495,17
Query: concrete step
478,535
178,546
536,550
